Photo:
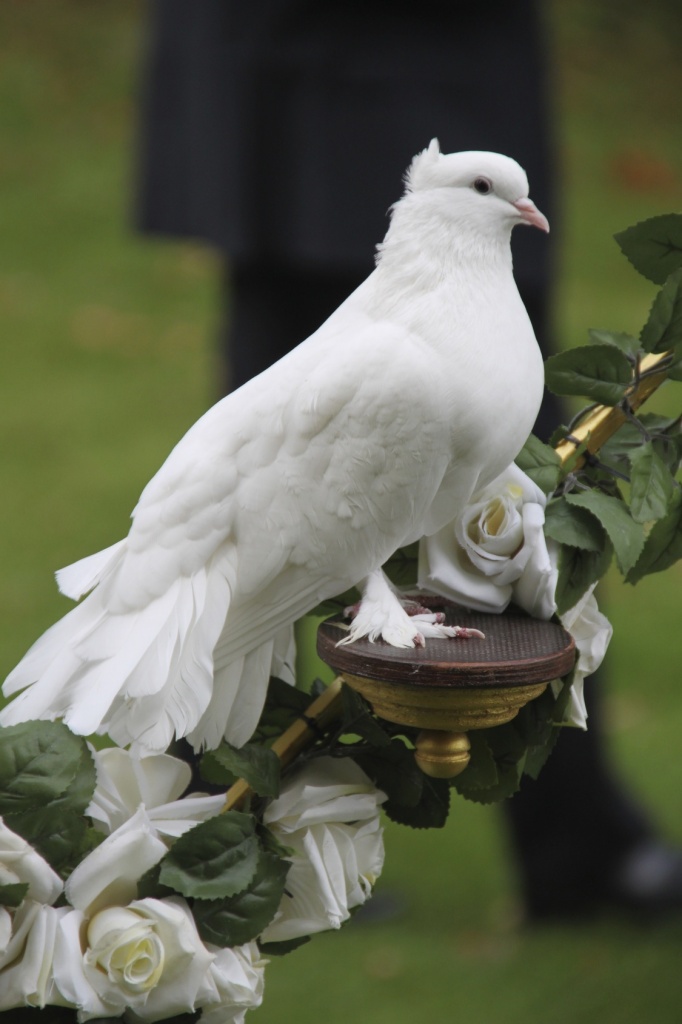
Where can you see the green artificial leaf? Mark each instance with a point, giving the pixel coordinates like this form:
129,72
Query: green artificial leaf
257,765
601,372
578,570
538,755
269,949
148,884
12,894
675,371
215,859
358,719
651,484
573,526
394,770
541,463
430,812
536,724
283,705
663,546
38,763
509,774
239,919
628,344
61,836
663,329
654,246
629,436
626,535
401,568
481,772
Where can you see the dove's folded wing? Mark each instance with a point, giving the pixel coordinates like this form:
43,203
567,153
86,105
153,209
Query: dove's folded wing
286,492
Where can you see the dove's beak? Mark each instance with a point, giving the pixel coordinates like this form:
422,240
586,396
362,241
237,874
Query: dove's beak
531,215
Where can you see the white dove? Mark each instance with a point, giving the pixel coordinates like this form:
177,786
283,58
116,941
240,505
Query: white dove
375,431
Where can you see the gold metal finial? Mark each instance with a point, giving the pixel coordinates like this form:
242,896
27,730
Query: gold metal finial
442,755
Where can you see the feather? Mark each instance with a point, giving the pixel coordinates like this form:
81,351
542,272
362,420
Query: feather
419,389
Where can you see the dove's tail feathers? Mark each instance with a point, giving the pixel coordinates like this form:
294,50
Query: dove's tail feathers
82,576
142,675
240,688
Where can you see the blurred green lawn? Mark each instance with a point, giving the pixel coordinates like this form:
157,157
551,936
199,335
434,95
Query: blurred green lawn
107,359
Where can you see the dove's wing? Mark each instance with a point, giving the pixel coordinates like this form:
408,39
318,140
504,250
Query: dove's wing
286,492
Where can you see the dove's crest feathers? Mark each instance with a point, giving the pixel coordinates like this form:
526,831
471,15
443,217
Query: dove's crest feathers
374,432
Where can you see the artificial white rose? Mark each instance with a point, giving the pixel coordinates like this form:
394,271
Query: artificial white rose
26,961
108,876
145,958
27,933
126,781
592,633
19,862
495,552
233,984
329,816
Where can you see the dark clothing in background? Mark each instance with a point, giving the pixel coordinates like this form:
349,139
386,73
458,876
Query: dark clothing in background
279,131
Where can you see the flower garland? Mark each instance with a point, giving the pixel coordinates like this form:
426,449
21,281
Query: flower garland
125,893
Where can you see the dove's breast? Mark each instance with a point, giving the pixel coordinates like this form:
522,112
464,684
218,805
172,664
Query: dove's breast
495,385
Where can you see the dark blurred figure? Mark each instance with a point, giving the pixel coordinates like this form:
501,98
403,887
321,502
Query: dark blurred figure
279,132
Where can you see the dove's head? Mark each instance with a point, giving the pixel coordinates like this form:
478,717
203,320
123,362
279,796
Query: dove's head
484,192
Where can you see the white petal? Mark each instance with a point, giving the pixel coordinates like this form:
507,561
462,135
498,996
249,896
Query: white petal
109,875
20,859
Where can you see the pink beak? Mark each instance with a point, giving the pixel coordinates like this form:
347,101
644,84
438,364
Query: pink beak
531,215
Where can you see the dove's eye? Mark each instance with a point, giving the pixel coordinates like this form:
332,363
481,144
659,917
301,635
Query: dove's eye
483,186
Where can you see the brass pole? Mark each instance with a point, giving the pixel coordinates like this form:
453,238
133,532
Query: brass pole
604,421
321,713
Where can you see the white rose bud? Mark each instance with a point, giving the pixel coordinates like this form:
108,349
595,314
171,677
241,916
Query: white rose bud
27,933
233,985
146,957
329,816
495,552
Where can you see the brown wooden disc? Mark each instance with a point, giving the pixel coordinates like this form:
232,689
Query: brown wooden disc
516,651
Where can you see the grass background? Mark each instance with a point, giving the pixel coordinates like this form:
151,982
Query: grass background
107,358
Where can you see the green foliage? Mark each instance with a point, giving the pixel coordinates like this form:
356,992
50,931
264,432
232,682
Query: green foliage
541,463
573,526
663,329
12,893
47,778
651,483
663,545
233,921
502,755
578,570
215,859
39,761
257,765
626,535
358,719
654,246
642,528
600,372
401,568
283,705
413,798
627,344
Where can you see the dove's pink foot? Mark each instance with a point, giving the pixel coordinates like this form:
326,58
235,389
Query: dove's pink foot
402,622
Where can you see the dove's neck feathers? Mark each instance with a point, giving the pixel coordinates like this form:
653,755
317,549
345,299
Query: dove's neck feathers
438,267
436,235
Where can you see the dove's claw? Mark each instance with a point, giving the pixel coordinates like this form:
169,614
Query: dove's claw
399,620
